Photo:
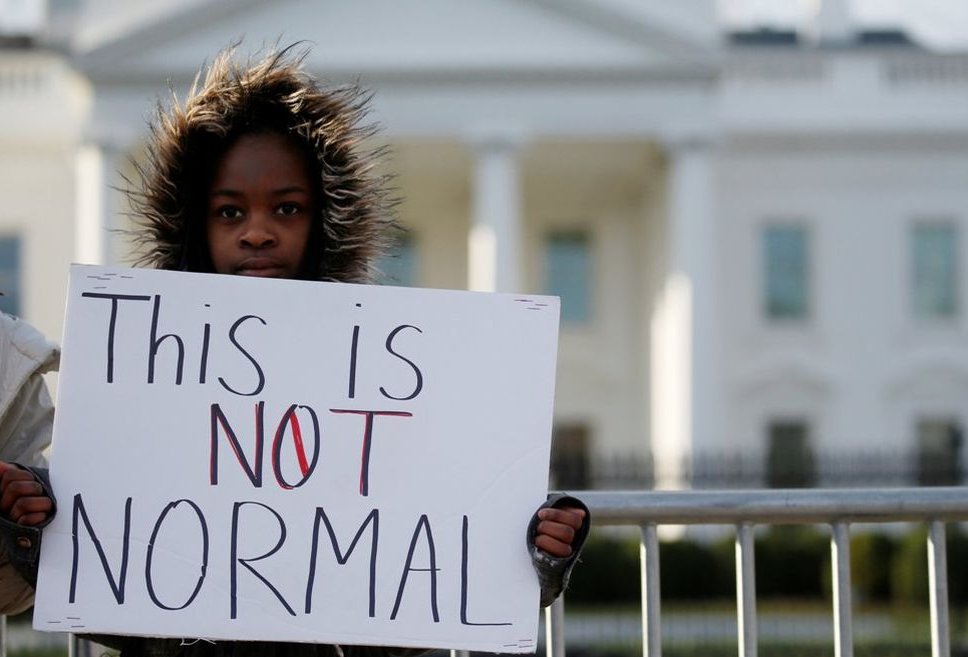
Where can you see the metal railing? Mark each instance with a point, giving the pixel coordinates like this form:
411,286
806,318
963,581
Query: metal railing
745,510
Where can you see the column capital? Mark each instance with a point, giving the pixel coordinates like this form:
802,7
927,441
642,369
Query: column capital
488,139
689,138
110,142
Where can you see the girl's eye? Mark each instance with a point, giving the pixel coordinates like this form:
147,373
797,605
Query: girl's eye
289,209
229,212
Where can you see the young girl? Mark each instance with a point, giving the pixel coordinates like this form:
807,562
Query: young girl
263,173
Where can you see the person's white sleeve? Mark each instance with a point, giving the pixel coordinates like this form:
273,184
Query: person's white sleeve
26,429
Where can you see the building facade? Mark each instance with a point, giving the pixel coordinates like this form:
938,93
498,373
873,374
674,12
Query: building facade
758,238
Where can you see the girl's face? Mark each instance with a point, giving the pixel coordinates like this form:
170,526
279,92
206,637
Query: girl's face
261,207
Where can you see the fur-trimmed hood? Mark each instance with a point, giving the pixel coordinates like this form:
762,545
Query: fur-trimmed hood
226,100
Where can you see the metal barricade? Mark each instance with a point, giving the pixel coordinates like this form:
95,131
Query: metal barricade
745,510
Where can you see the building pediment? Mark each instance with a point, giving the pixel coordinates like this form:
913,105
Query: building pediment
152,40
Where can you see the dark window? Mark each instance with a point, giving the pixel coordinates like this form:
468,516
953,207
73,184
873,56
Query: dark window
789,457
568,274
935,270
939,452
10,275
569,457
399,264
786,272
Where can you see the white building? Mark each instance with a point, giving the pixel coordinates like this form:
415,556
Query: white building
759,239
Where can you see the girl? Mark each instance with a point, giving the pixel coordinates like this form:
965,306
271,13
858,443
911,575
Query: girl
263,173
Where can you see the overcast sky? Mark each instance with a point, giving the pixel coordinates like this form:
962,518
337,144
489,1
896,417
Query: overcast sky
941,24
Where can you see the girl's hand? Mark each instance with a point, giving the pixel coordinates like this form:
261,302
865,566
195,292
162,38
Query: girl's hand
22,498
556,530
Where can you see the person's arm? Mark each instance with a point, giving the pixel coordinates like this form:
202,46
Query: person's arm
556,535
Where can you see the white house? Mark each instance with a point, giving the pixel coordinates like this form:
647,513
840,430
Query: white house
759,238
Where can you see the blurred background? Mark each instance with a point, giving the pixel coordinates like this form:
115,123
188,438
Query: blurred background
753,210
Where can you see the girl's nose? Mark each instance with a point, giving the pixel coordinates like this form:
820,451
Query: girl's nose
257,233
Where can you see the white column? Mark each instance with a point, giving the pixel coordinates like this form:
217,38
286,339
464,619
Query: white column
685,386
98,204
832,22
494,243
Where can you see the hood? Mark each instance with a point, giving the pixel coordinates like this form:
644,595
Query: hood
186,139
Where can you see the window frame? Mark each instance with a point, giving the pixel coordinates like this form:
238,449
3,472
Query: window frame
939,464
407,243
12,300
588,303
926,315
806,476
808,311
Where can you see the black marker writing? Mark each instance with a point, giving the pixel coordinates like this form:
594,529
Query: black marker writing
236,559
424,524
341,557
112,323
151,549
253,471
117,585
291,420
154,342
418,385
261,375
368,440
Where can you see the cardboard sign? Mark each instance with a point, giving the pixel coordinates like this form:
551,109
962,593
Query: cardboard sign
249,459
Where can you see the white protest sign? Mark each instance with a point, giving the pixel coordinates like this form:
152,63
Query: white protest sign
248,459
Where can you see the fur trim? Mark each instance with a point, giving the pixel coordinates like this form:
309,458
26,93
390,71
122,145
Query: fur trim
355,209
